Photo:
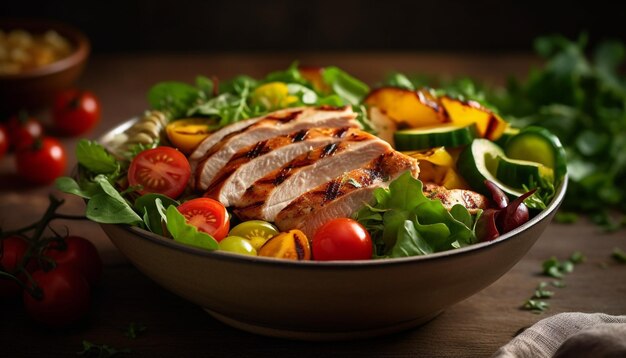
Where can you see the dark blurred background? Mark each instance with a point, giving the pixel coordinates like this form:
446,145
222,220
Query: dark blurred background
326,25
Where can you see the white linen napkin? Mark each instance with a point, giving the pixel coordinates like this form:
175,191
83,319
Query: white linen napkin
571,334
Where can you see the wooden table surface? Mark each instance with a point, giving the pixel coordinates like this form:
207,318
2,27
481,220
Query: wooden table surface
474,327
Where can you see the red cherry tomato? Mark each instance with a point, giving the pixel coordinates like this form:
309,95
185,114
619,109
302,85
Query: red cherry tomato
162,170
207,215
342,239
23,131
75,112
43,162
4,141
65,297
78,253
12,250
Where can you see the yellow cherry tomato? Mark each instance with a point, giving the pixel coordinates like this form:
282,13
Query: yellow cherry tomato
256,231
291,245
273,95
186,134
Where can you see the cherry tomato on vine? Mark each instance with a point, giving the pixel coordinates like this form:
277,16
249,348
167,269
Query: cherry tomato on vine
65,297
207,215
23,131
42,162
162,170
4,141
12,250
78,253
342,239
75,112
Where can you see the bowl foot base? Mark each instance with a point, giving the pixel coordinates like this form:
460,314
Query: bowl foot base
319,335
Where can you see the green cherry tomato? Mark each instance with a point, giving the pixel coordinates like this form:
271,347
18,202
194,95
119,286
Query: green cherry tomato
257,231
238,245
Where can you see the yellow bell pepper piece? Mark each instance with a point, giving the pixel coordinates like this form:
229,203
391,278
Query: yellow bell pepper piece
437,165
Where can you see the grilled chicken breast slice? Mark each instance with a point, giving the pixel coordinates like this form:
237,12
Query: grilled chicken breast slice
254,162
345,194
272,125
270,194
471,200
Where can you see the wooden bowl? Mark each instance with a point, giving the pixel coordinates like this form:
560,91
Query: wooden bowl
35,88
315,300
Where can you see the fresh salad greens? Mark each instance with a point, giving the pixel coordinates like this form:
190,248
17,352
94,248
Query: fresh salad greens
100,174
404,222
236,99
582,99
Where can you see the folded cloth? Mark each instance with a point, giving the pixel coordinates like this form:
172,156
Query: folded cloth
571,334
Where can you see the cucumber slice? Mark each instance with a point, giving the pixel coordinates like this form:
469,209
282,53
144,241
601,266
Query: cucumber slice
509,132
479,162
519,173
539,145
435,136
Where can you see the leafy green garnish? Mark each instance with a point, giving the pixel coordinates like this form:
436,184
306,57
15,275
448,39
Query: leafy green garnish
100,350
147,205
186,233
95,158
542,292
404,222
174,98
535,306
345,86
134,330
619,255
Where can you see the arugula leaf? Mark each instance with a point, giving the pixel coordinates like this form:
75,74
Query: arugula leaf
344,85
186,233
404,222
95,158
173,98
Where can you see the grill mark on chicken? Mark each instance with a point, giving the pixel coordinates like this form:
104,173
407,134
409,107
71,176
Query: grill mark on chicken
299,136
341,132
329,150
284,117
306,210
327,107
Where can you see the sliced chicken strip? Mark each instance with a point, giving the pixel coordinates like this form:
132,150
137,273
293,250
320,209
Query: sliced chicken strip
254,162
471,200
272,126
270,194
344,195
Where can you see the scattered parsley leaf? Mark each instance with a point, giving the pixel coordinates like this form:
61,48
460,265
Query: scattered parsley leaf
577,257
535,306
619,255
100,350
558,284
541,291
134,330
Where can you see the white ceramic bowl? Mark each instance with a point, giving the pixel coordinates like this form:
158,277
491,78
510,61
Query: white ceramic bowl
325,300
